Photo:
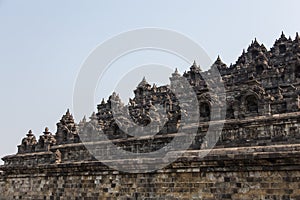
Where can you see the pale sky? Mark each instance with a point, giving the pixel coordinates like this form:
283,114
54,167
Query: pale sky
44,43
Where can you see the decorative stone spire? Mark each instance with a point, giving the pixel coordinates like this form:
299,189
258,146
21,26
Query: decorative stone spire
281,47
297,39
46,141
263,48
143,83
176,73
115,98
67,118
46,132
195,67
154,86
281,39
282,35
29,134
28,143
194,63
255,42
254,45
66,129
94,119
93,116
253,53
103,101
82,122
243,58
175,77
83,119
219,63
118,97
112,97
142,86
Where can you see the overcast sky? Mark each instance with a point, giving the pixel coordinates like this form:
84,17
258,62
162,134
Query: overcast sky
44,43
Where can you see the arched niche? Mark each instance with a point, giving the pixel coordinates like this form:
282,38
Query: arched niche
259,69
297,71
230,113
282,48
251,104
205,111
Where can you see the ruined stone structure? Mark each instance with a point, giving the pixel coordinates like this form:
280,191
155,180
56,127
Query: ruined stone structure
256,156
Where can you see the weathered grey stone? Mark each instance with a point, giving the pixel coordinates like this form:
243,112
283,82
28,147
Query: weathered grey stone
256,156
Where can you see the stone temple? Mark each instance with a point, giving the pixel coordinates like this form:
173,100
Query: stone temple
256,156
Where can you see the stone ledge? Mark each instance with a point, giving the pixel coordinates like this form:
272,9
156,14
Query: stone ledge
276,157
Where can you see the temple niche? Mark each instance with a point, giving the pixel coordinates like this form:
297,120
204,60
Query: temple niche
28,143
230,112
66,130
204,111
46,141
251,103
297,71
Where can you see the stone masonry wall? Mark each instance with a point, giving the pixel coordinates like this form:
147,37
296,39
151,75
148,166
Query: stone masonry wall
234,173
